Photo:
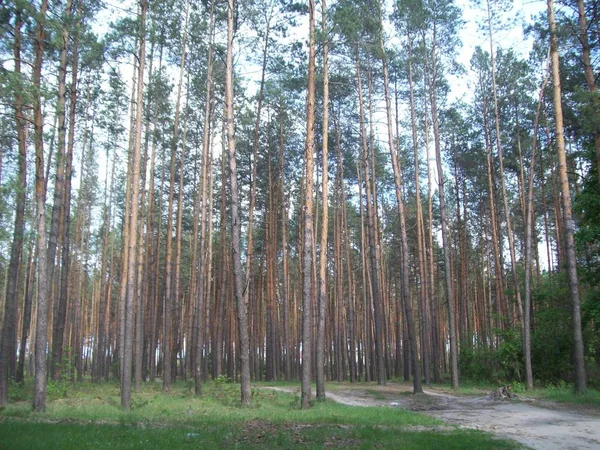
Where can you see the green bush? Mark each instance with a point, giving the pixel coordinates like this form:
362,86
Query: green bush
510,354
551,340
479,364
504,363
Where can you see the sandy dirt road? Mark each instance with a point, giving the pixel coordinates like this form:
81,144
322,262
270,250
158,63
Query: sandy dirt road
535,424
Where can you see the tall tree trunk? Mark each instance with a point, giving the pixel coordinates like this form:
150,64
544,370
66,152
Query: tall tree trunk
152,253
556,211
528,244
378,308
63,299
404,269
59,184
588,71
344,250
170,298
20,376
287,347
210,287
373,254
254,163
242,307
445,234
122,299
58,207
222,296
367,293
322,301
424,291
141,316
201,202
571,262
337,304
435,349
77,271
509,232
270,258
255,144
307,250
499,271
9,325
133,229
106,264
461,292
41,331
177,328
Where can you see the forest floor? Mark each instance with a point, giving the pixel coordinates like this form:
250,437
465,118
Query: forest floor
537,424
88,416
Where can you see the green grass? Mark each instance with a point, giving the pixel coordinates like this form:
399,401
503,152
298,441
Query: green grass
220,402
88,415
29,435
469,387
377,395
18,435
561,393
566,395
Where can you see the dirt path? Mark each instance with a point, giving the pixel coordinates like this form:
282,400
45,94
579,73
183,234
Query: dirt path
535,424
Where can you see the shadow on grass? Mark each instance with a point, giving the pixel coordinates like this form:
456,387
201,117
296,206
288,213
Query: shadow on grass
254,434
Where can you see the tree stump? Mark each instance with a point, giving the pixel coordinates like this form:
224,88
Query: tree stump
502,392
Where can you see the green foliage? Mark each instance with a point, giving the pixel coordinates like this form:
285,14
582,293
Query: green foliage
478,365
504,363
57,388
518,387
551,342
591,311
586,209
356,31
20,392
551,331
563,392
221,380
509,353
60,388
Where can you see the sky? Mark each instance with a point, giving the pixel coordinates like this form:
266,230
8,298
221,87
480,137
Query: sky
510,37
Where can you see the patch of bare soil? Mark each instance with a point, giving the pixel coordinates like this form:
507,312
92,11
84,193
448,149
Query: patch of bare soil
538,425
535,424
257,433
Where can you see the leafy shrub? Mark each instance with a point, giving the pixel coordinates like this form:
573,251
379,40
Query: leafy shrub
510,354
479,364
504,363
551,340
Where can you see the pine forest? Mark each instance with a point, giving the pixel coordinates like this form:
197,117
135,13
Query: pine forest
278,190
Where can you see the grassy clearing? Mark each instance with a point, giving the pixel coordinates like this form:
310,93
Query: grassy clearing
89,416
219,403
561,393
